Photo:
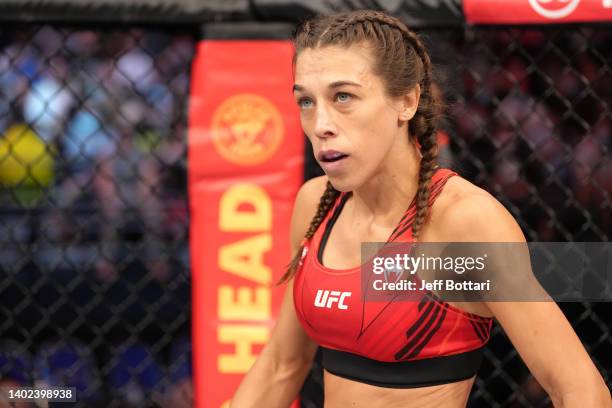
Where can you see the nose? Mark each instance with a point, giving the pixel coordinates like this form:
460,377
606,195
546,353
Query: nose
324,124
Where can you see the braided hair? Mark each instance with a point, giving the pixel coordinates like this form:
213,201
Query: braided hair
402,61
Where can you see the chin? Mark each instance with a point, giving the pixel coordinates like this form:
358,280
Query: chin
343,183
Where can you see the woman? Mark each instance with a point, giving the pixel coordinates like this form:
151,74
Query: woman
363,84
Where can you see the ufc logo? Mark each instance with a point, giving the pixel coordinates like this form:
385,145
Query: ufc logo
326,298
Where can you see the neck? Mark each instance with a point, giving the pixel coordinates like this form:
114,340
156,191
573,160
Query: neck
392,188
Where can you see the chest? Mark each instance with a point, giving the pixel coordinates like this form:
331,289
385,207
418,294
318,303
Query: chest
342,244
337,310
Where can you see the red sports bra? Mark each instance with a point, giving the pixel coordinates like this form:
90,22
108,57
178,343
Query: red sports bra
399,344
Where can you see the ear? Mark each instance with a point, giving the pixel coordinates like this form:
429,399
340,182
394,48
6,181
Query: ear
410,103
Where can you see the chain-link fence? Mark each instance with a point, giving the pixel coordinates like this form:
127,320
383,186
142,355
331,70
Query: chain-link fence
529,120
94,268
534,128
534,125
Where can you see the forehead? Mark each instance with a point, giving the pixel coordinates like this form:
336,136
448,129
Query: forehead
317,67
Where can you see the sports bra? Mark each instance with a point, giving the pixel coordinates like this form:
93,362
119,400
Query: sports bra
396,344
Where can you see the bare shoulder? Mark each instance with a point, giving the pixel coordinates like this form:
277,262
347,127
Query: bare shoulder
465,212
305,207
308,196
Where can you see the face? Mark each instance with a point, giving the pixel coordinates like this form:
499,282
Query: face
345,112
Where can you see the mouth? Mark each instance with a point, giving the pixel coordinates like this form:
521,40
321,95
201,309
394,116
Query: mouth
331,156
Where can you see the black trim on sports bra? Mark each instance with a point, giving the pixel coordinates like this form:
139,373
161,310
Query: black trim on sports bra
402,374
328,227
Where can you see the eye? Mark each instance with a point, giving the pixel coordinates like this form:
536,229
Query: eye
343,97
304,103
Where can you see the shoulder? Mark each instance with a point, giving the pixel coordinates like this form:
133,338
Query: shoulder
466,212
308,196
313,187
305,207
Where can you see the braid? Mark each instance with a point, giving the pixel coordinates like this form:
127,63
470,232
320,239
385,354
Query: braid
423,124
325,204
424,127
426,170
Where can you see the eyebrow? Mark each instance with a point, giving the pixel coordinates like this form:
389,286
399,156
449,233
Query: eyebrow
333,85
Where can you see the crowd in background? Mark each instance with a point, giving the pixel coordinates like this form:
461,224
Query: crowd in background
93,212
534,127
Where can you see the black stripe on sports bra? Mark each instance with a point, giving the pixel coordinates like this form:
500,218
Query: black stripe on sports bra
329,225
402,374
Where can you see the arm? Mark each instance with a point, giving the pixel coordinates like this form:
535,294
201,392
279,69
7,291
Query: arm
539,331
277,375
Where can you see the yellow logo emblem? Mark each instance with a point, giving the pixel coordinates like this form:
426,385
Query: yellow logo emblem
247,129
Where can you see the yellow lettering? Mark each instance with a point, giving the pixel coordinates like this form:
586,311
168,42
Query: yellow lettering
245,258
232,218
243,337
244,303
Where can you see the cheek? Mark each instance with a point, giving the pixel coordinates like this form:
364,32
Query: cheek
376,128
377,115
307,123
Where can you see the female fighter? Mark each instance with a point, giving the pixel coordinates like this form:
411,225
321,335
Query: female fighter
363,84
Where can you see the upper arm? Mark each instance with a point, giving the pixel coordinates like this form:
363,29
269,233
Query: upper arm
538,330
289,343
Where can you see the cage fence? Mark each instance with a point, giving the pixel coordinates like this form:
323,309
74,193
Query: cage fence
94,268
94,261
527,117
